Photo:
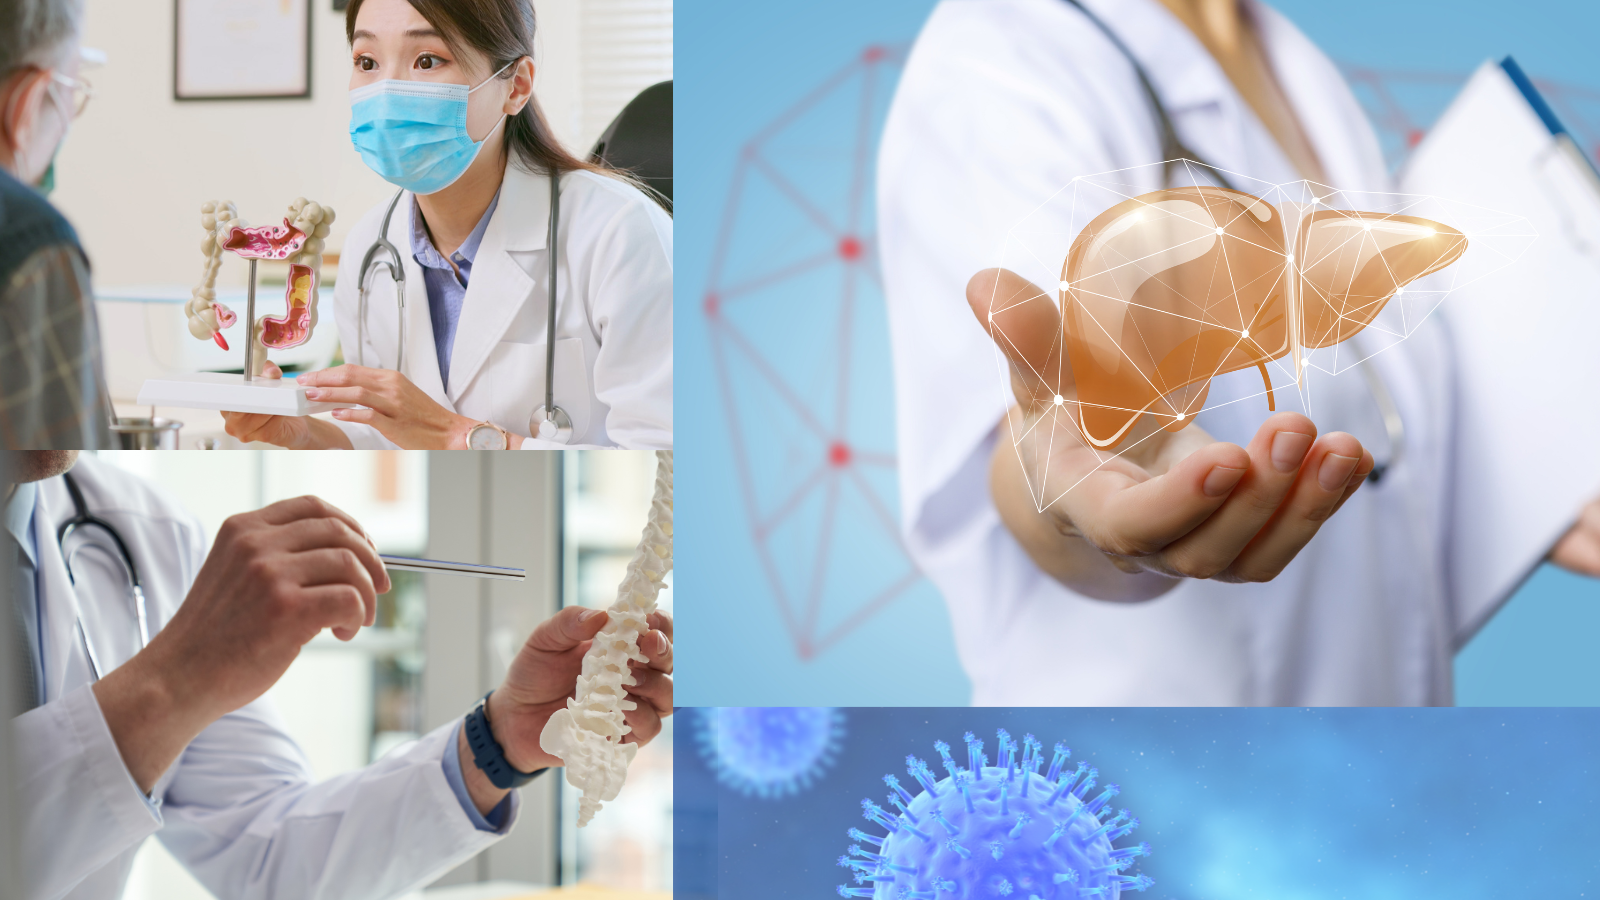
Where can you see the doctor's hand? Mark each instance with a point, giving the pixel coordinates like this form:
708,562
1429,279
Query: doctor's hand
401,411
274,578
1171,505
545,673
1579,549
293,432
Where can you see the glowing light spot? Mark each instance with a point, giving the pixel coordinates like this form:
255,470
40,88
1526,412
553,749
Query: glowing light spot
1245,334
1060,400
1219,231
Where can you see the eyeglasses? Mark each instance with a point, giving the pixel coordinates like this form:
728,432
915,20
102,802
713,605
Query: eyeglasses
81,91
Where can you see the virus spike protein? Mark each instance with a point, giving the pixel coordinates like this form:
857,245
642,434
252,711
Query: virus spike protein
992,840
587,735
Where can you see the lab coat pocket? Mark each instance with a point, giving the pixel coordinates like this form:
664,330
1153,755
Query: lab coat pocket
517,384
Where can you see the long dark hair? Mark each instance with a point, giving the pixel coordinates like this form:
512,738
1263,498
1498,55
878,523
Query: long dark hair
503,31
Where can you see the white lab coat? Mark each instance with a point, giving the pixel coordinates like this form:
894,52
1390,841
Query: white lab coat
238,807
613,369
1003,102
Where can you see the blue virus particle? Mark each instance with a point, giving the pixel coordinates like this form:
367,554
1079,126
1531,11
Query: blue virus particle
769,751
1002,831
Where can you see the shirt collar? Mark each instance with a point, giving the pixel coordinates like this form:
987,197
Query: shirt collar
426,254
19,517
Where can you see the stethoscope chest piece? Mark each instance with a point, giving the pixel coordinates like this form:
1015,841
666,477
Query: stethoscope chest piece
553,426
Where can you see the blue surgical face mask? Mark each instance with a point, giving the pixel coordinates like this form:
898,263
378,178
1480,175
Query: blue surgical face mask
414,133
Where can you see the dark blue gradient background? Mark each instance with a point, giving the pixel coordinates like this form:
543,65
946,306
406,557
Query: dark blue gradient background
1286,804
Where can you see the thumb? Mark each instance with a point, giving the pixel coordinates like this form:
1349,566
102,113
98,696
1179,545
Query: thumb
1024,323
272,370
567,629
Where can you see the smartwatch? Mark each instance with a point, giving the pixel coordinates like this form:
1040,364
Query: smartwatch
487,436
487,753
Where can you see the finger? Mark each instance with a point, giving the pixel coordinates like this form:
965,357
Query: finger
654,688
333,565
307,506
657,650
335,606
1329,470
361,394
1360,478
272,370
1125,517
1276,452
1024,323
363,417
343,376
661,620
567,629
243,425
645,722
334,532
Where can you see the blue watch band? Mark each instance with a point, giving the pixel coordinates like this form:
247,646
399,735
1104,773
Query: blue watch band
487,752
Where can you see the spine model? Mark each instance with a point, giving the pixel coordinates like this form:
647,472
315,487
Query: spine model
587,735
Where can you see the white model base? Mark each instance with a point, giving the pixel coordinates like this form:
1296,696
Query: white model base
225,391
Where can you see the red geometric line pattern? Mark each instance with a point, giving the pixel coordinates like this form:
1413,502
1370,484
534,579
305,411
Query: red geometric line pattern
850,243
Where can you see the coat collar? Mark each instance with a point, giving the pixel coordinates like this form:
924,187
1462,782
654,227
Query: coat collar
499,285
1188,78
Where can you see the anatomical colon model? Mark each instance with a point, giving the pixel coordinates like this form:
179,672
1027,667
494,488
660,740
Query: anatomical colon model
1166,290
298,241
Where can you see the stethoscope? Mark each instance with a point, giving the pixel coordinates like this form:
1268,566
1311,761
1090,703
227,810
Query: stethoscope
83,519
1173,153
549,422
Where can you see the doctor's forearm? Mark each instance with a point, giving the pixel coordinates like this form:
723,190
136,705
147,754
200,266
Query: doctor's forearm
151,718
485,796
1067,558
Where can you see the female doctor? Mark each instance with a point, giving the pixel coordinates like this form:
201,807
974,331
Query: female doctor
442,106
1187,573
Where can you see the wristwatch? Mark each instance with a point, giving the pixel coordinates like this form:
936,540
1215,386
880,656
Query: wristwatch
487,436
487,752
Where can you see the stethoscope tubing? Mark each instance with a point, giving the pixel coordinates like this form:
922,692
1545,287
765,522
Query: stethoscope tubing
555,415
83,519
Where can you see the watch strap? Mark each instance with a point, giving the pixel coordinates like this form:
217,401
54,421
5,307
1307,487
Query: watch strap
487,753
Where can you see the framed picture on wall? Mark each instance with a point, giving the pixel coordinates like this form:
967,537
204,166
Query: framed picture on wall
241,49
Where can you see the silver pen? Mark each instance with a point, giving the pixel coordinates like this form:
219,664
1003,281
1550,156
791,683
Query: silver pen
473,570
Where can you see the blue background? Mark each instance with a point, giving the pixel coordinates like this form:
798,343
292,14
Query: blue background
1276,804
740,65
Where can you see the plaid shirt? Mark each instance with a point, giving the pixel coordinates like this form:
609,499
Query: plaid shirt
52,387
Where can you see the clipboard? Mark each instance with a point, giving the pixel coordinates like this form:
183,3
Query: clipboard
1526,338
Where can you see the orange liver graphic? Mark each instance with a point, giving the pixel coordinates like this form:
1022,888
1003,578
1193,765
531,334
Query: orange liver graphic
1167,290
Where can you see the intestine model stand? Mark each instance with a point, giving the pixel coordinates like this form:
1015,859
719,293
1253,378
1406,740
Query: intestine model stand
587,735
299,241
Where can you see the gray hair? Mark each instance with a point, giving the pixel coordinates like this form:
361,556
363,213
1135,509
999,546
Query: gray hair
31,31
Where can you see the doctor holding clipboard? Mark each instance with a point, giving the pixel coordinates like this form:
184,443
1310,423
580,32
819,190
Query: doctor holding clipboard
1249,562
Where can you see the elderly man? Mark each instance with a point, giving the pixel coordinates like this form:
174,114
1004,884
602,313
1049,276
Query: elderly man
52,390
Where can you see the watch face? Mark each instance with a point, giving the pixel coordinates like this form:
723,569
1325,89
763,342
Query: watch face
485,437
